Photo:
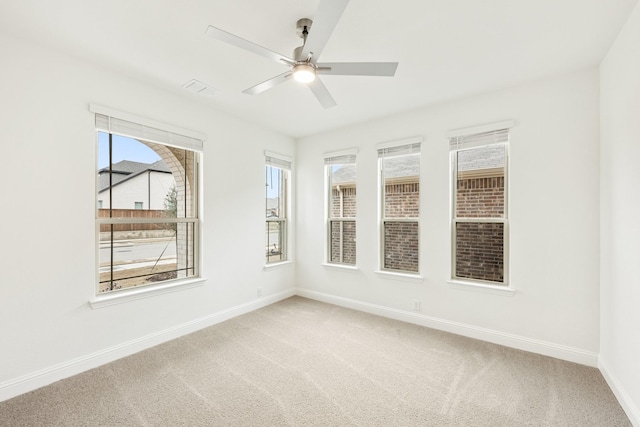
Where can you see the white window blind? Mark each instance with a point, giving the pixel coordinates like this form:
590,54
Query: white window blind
478,139
147,133
340,160
478,136
399,150
277,162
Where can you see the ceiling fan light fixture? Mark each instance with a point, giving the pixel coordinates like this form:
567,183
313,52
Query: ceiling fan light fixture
304,73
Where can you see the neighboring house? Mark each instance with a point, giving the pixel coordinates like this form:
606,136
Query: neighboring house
135,185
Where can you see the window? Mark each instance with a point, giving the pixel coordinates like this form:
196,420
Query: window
277,170
145,247
340,172
479,225
400,206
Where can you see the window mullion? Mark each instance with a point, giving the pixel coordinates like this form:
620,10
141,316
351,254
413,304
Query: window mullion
341,243
111,231
383,202
169,220
480,219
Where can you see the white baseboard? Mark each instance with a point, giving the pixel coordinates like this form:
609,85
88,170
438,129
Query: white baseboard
43,377
502,338
629,406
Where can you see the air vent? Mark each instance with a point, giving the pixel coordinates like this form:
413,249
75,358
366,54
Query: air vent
199,87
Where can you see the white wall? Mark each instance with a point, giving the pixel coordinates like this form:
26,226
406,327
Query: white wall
554,220
48,273
620,216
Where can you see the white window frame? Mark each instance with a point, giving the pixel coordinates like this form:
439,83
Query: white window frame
285,163
115,122
469,139
397,148
330,159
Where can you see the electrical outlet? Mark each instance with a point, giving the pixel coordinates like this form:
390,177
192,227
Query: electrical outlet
259,292
417,305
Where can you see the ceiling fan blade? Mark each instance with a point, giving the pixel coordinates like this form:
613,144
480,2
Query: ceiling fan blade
234,40
268,84
358,68
324,22
322,93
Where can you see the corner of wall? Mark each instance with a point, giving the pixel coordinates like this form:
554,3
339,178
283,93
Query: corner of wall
630,407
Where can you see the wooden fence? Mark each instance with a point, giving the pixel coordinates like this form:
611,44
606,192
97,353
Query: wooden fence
134,213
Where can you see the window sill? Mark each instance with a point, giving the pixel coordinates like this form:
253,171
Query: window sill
401,276
341,266
121,297
479,287
276,265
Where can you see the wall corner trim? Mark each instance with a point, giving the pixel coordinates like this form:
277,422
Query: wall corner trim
545,348
46,376
628,405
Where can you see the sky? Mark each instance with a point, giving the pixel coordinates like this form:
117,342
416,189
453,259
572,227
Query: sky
272,179
123,149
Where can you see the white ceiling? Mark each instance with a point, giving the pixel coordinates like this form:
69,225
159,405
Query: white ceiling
447,49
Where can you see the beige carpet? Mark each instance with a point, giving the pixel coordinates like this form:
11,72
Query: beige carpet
301,363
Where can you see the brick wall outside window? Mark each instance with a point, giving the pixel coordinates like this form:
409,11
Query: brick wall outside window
402,200
348,227
401,238
401,246
480,251
480,197
348,242
348,200
480,246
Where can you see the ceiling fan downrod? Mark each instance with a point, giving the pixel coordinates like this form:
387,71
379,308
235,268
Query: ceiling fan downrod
302,29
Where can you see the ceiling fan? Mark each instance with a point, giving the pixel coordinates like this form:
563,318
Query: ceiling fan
304,66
